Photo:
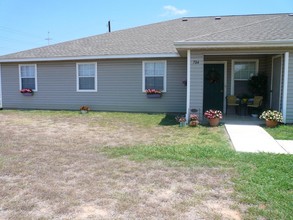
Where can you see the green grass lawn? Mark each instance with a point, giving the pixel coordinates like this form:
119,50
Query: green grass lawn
281,132
262,181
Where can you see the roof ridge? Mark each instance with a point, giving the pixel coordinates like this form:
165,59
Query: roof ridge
234,28
243,15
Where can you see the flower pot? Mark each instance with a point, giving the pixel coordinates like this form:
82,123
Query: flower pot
214,122
271,123
182,124
193,123
83,111
28,94
152,96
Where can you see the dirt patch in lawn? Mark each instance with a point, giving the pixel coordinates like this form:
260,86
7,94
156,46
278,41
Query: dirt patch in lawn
50,168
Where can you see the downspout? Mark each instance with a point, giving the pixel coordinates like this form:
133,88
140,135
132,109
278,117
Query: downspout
285,86
0,90
188,86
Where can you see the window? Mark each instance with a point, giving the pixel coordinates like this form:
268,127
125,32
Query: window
154,75
244,69
86,77
28,76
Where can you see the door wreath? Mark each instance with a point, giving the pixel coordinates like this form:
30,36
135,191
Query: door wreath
213,76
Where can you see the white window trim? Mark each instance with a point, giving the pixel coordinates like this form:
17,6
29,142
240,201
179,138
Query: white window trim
165,73
252,60
96,78
36,75
232,71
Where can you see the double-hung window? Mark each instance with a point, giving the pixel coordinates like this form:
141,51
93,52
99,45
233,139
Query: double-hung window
86,74
28,76
244,69
154,75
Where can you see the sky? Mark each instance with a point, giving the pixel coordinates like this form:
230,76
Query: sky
24,24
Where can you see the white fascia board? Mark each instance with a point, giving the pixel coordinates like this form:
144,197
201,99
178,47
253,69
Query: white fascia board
205,45
131,56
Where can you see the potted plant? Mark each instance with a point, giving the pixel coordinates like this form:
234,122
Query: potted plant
214,117
193,120
84,109
181,120
153,93
27,92
272,118
257,85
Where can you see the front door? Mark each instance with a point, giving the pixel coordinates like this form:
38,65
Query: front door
213,97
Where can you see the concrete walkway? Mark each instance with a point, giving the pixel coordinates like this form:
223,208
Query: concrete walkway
287,145
253,138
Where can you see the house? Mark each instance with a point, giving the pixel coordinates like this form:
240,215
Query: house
110,72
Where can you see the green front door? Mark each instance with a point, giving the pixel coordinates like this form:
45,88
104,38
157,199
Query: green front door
213,97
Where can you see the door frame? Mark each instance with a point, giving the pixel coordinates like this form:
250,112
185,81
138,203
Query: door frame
225,80
272,78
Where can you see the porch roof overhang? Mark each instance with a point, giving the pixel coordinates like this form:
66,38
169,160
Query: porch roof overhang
234,47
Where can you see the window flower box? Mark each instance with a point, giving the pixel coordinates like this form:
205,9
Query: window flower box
153,96
27,92
153,93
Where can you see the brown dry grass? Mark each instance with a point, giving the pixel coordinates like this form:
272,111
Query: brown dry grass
51,168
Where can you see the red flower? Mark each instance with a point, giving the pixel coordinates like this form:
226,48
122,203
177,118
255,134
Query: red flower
26,91
153,91
209,114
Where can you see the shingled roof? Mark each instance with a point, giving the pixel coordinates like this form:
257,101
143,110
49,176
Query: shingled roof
161,39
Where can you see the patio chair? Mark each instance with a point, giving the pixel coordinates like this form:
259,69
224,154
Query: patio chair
231,100
257,104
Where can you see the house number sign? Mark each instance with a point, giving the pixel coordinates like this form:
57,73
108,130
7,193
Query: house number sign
195,62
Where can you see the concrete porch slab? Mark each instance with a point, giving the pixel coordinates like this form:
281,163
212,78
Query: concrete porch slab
252,138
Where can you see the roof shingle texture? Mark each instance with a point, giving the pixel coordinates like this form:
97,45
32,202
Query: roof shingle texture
159,38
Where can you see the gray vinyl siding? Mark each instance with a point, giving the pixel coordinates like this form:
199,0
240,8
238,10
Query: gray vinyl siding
290,90
119,84
196,82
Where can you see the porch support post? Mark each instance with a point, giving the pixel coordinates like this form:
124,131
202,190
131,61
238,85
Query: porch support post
188,85
195,68
285,86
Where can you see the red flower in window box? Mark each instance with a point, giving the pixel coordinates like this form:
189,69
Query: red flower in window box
26,91
153,91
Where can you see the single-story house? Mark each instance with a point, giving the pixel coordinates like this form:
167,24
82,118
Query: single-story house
195,61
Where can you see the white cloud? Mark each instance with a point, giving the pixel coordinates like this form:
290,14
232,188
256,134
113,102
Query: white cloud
172,10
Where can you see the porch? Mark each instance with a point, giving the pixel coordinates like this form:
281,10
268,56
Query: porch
213,77
235,119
